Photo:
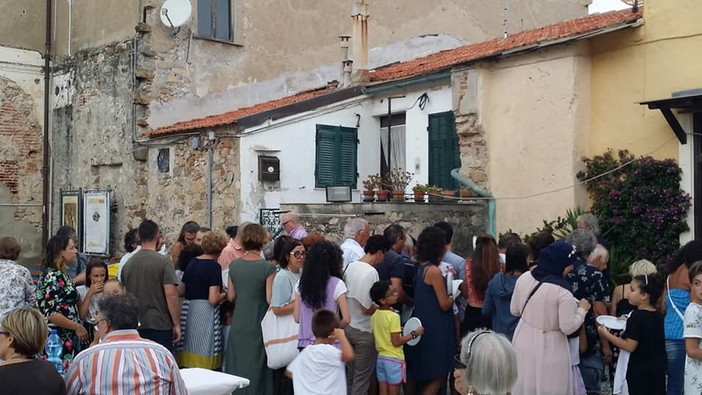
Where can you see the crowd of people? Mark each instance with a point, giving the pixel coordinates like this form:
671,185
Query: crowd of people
526,319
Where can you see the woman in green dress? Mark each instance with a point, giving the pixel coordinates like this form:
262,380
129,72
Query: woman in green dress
251,285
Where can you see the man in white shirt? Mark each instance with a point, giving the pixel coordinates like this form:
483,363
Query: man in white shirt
360,275
357,231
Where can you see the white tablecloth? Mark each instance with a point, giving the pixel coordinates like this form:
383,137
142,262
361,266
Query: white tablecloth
207,382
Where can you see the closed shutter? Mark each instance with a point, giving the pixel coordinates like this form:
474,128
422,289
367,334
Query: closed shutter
204,18
223,24
444,150
336,156
348,151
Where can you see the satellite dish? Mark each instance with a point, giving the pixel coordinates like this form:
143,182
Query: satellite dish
176,13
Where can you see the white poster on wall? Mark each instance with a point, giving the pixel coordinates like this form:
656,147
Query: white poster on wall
96,222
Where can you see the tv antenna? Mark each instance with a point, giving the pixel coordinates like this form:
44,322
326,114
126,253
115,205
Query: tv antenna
175,13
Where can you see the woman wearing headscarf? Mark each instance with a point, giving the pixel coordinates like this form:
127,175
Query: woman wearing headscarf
549,313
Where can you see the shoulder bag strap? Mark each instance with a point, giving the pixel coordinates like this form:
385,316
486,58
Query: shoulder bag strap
533,291
672,303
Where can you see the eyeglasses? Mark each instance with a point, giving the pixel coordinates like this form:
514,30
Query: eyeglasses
457,363
298,254
97,324
4,333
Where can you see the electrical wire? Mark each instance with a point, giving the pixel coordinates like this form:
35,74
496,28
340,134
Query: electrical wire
623,165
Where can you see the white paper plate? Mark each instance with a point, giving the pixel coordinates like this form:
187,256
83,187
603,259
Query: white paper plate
611,322
412,324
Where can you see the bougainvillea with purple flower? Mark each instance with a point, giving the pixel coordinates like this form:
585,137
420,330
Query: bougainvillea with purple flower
641,207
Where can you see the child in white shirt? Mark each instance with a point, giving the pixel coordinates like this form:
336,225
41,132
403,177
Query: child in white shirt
320,369
693,332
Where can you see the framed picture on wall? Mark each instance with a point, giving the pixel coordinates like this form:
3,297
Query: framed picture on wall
96,222
72,211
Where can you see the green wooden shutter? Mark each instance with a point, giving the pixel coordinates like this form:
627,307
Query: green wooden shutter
336,156
444,150
324,158
348,157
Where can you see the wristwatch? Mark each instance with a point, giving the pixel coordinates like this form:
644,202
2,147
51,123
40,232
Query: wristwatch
414,334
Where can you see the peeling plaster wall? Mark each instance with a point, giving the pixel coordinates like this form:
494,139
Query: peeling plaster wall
21,149
92,131
523,124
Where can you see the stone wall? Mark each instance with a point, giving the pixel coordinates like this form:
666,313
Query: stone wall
468,219
173,198
96,147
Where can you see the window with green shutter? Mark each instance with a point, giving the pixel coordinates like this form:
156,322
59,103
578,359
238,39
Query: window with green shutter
444,149
336,156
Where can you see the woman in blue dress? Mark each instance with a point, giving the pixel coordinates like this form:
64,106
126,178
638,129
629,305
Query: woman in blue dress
431,360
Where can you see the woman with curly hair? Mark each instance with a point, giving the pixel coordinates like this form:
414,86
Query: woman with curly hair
187,236
320,287
58,298
480,268
201,289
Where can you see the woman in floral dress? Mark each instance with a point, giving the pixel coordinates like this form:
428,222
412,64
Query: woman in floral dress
58,298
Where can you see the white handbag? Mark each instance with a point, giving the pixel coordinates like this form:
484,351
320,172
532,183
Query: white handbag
280,338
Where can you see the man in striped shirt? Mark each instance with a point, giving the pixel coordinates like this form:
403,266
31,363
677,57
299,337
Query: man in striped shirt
123,362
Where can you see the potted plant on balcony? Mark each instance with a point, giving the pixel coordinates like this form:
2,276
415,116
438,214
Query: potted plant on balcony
398,180
419,191
383,193
466,193
434,193
369,186
449,195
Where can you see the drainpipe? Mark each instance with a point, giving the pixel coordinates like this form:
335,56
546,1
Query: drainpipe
46,167
210,157
482,193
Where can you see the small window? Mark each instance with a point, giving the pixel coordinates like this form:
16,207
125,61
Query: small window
336,160
214,19
163,160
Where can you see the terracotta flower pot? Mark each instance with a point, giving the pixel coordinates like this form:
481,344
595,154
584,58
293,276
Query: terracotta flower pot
448,195
368,196
398,196
434,196
383,195
419,196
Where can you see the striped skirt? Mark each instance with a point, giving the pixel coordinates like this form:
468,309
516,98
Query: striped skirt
202,335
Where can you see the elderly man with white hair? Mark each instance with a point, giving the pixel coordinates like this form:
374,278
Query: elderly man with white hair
291,225
356,232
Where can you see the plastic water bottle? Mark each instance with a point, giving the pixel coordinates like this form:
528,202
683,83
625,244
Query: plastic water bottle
53,349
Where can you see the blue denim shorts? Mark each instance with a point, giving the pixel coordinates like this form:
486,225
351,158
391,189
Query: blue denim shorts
390,370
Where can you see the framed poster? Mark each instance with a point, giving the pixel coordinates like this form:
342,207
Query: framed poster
71,211
96,222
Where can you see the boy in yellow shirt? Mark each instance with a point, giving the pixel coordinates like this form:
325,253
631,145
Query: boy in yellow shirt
385,324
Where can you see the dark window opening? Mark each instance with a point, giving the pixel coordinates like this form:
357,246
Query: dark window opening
214,19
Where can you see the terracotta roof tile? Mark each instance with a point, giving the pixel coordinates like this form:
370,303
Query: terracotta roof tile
429,63
231,117
467,53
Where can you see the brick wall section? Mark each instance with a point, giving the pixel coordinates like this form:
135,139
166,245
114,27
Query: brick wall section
21,147
8,175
